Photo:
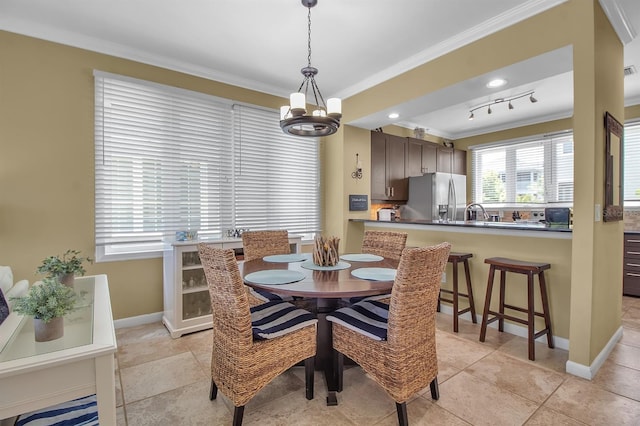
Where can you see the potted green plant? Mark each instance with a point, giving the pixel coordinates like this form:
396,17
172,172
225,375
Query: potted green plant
64,268
47,302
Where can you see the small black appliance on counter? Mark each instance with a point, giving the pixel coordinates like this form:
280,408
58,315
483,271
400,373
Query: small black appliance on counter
559,217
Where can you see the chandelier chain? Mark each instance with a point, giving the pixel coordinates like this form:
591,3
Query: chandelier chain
309,36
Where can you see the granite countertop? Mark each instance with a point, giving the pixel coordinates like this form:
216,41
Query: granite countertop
527,226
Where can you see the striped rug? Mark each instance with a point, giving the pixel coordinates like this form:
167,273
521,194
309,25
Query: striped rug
81,411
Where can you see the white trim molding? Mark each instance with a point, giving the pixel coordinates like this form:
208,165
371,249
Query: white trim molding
619,20
589,371
138,320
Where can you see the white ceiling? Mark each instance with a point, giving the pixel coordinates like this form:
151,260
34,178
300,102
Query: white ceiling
355,44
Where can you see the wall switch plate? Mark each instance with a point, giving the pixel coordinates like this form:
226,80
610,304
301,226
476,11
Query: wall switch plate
444,277
598,212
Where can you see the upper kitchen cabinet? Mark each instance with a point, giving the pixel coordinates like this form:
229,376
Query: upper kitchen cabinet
421,157
388,179
451,160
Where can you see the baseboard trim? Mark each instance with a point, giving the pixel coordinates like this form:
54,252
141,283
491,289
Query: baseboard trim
518,330
138,320
589,371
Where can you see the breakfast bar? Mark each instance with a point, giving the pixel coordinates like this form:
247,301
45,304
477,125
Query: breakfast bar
526,241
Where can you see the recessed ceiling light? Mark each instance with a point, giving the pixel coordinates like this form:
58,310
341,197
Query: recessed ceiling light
497,82
394,115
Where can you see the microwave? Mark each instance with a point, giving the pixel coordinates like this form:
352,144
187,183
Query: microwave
559,217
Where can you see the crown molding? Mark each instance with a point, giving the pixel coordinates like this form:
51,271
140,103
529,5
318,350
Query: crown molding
618,18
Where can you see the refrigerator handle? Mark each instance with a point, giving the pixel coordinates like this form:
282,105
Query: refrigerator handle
452,199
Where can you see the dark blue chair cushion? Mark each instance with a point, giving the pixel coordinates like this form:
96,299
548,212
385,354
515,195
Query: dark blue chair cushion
276,318
81,411
4,307
367,317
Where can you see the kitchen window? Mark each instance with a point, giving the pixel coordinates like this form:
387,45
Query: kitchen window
532,171
631,155
169,159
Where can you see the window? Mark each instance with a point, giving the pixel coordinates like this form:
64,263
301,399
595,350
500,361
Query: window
523,172
631,155
169,159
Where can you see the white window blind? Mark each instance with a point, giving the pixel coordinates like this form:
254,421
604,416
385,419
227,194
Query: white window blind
523,172
276,178
169,159
631,155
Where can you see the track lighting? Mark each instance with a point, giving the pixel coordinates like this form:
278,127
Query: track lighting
501,100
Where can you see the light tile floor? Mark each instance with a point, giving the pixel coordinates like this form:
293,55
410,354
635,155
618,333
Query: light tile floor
165,381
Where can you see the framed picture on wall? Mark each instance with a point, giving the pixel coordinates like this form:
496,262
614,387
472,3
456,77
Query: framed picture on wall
613,191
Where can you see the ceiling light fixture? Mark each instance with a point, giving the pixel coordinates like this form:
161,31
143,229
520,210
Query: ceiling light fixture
393,115
322,121
497,82
502,100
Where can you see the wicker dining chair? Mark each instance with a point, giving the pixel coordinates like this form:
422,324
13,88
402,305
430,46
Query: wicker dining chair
395,343
258,244
384,243
247,354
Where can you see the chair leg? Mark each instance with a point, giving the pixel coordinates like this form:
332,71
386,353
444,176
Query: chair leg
309,368
487,304
238,412
472,304
338,369
435,392
213,393
402,414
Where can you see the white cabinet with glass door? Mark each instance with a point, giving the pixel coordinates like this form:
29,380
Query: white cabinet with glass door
187,307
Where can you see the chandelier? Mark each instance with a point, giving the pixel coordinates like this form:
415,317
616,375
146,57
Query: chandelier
502,100
324,120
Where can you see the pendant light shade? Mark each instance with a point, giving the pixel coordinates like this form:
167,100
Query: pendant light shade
324,118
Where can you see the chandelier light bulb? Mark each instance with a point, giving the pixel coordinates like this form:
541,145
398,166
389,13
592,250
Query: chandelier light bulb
489,110
471,116
510,105
532,99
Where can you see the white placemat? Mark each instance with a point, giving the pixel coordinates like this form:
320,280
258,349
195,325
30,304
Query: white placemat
337,267
375,274
274,276
361,257
286,258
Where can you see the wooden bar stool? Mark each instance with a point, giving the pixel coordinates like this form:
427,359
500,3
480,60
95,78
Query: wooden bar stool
529,269
455,259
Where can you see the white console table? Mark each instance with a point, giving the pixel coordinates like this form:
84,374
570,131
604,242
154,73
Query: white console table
35,375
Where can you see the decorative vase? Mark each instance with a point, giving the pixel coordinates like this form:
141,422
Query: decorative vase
46,331
325,251
67,279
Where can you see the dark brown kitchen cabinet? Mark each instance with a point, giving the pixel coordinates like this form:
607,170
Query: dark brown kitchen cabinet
421,157
451,160
388,180
631,268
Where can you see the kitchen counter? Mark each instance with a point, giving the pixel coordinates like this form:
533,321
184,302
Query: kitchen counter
524,241
522,229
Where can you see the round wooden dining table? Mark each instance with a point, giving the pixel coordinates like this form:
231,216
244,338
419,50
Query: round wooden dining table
326,288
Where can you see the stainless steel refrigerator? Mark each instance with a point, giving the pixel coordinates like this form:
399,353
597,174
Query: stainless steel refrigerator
428,192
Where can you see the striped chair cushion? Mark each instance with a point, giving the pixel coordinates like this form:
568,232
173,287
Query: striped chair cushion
273,319
81,411
357,299
368,317
266,296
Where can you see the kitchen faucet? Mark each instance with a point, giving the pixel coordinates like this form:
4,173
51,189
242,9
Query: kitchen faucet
485,215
